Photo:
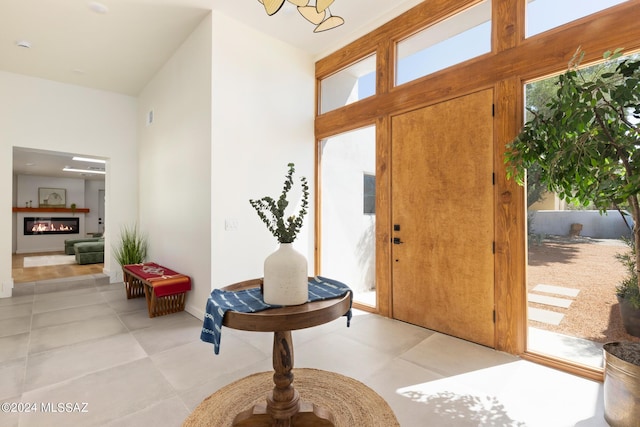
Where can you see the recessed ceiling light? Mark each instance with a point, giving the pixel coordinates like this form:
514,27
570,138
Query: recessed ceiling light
83,171
98,7
24,43
87,159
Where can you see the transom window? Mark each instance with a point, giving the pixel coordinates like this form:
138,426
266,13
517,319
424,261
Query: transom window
449,42
356,82
543,15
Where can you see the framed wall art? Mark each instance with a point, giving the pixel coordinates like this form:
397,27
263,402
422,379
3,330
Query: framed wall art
52,197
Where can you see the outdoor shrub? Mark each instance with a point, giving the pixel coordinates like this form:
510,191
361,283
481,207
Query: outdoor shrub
628,288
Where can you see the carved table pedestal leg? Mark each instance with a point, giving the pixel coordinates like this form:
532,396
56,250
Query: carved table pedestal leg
284,408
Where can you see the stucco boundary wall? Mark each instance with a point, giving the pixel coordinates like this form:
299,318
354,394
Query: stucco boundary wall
605,226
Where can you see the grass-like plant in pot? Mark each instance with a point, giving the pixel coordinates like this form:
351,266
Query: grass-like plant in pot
132,246
285,270
586,144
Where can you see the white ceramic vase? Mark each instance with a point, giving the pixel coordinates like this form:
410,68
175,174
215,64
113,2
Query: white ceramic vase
285,277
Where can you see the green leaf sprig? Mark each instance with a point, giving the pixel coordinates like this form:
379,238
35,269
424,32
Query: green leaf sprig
272,212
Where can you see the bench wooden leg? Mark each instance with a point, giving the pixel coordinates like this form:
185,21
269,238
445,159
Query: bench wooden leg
153,309
159,306
150,297
133,286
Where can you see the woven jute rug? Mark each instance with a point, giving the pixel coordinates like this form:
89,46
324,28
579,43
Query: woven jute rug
351,402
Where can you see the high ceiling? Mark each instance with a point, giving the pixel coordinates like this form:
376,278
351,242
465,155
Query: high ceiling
120,49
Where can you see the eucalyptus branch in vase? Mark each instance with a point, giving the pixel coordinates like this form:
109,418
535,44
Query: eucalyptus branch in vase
272,212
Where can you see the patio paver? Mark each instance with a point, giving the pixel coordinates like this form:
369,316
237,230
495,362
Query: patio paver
547,300
559,290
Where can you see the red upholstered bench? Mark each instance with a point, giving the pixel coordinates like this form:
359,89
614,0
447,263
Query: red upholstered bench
164,289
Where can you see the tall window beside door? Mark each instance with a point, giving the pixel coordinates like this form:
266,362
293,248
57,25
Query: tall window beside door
347,208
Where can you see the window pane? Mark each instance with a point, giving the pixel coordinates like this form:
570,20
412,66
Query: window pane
573,270
452,41
352,84
348,233
369,196
542,15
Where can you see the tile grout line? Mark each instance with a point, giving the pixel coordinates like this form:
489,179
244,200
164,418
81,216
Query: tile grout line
26,356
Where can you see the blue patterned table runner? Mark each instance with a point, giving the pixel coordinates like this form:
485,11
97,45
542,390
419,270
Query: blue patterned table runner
250,301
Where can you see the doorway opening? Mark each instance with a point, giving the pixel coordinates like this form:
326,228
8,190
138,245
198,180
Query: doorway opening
82,184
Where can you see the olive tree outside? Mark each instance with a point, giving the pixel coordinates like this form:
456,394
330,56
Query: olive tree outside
585,142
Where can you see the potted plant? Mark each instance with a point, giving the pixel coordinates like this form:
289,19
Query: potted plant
585,144
132,246
627,291
131,249
285,270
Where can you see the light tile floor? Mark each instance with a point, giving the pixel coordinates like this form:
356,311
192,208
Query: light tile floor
85,342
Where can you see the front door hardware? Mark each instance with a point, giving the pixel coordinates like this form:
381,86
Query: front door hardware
397,241
396,227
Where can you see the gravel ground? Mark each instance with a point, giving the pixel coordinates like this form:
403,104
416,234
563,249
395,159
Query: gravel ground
590,266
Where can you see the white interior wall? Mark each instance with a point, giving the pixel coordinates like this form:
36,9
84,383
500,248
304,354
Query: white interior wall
45,115
175,169
28,185
256,131
263,118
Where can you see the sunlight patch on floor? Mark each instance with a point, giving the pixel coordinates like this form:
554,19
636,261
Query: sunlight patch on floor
506,394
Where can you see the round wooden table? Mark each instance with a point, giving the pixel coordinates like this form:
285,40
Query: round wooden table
283,407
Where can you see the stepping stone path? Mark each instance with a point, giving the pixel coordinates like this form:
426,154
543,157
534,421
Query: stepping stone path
548,316
560,290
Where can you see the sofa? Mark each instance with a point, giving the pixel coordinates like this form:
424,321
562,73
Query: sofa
68,244
89,252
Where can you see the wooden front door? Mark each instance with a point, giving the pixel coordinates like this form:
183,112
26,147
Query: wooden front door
443,217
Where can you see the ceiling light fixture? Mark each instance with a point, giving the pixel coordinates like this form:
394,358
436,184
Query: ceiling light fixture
87,159
318,14
84,171
24,43
98,7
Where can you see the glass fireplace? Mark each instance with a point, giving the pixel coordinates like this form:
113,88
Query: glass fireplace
43,225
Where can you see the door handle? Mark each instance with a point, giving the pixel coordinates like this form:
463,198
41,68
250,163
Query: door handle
397,241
